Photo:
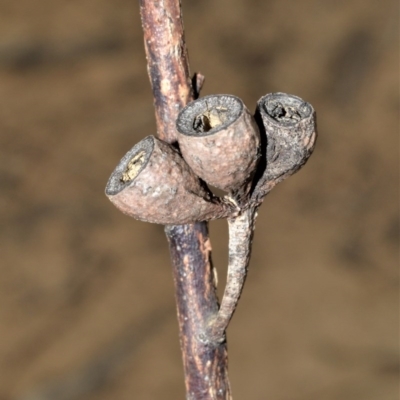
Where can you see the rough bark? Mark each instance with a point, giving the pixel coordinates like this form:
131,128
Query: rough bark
205,363
167,62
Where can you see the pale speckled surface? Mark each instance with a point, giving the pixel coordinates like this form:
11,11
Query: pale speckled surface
227,156
166,191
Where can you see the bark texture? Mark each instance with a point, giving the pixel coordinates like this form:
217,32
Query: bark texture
167,62
205,363
205,367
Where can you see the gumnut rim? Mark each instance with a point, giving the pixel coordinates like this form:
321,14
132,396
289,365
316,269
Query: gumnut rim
284,109
227,107
115,183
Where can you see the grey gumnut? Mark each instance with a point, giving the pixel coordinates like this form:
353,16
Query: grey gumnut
288,127
220,140
153,183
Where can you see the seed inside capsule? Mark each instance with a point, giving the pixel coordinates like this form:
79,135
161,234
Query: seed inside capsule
133,167
210,119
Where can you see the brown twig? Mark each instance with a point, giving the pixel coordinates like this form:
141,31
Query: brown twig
205,366
167,62
205,363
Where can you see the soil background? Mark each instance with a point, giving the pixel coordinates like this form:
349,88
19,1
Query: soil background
86,295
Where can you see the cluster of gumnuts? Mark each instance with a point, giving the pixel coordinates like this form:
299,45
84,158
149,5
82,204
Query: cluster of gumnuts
221,144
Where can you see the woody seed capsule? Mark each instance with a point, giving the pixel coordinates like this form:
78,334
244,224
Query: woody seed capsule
153,183
219,139
288,127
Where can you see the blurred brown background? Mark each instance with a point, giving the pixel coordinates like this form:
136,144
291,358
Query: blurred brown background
86,294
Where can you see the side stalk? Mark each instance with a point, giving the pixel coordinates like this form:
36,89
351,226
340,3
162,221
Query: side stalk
241,229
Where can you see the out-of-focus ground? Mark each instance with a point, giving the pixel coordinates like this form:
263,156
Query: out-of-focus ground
86,294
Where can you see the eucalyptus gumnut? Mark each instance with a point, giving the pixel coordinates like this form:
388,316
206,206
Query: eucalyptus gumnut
288,125
220,140
153,183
